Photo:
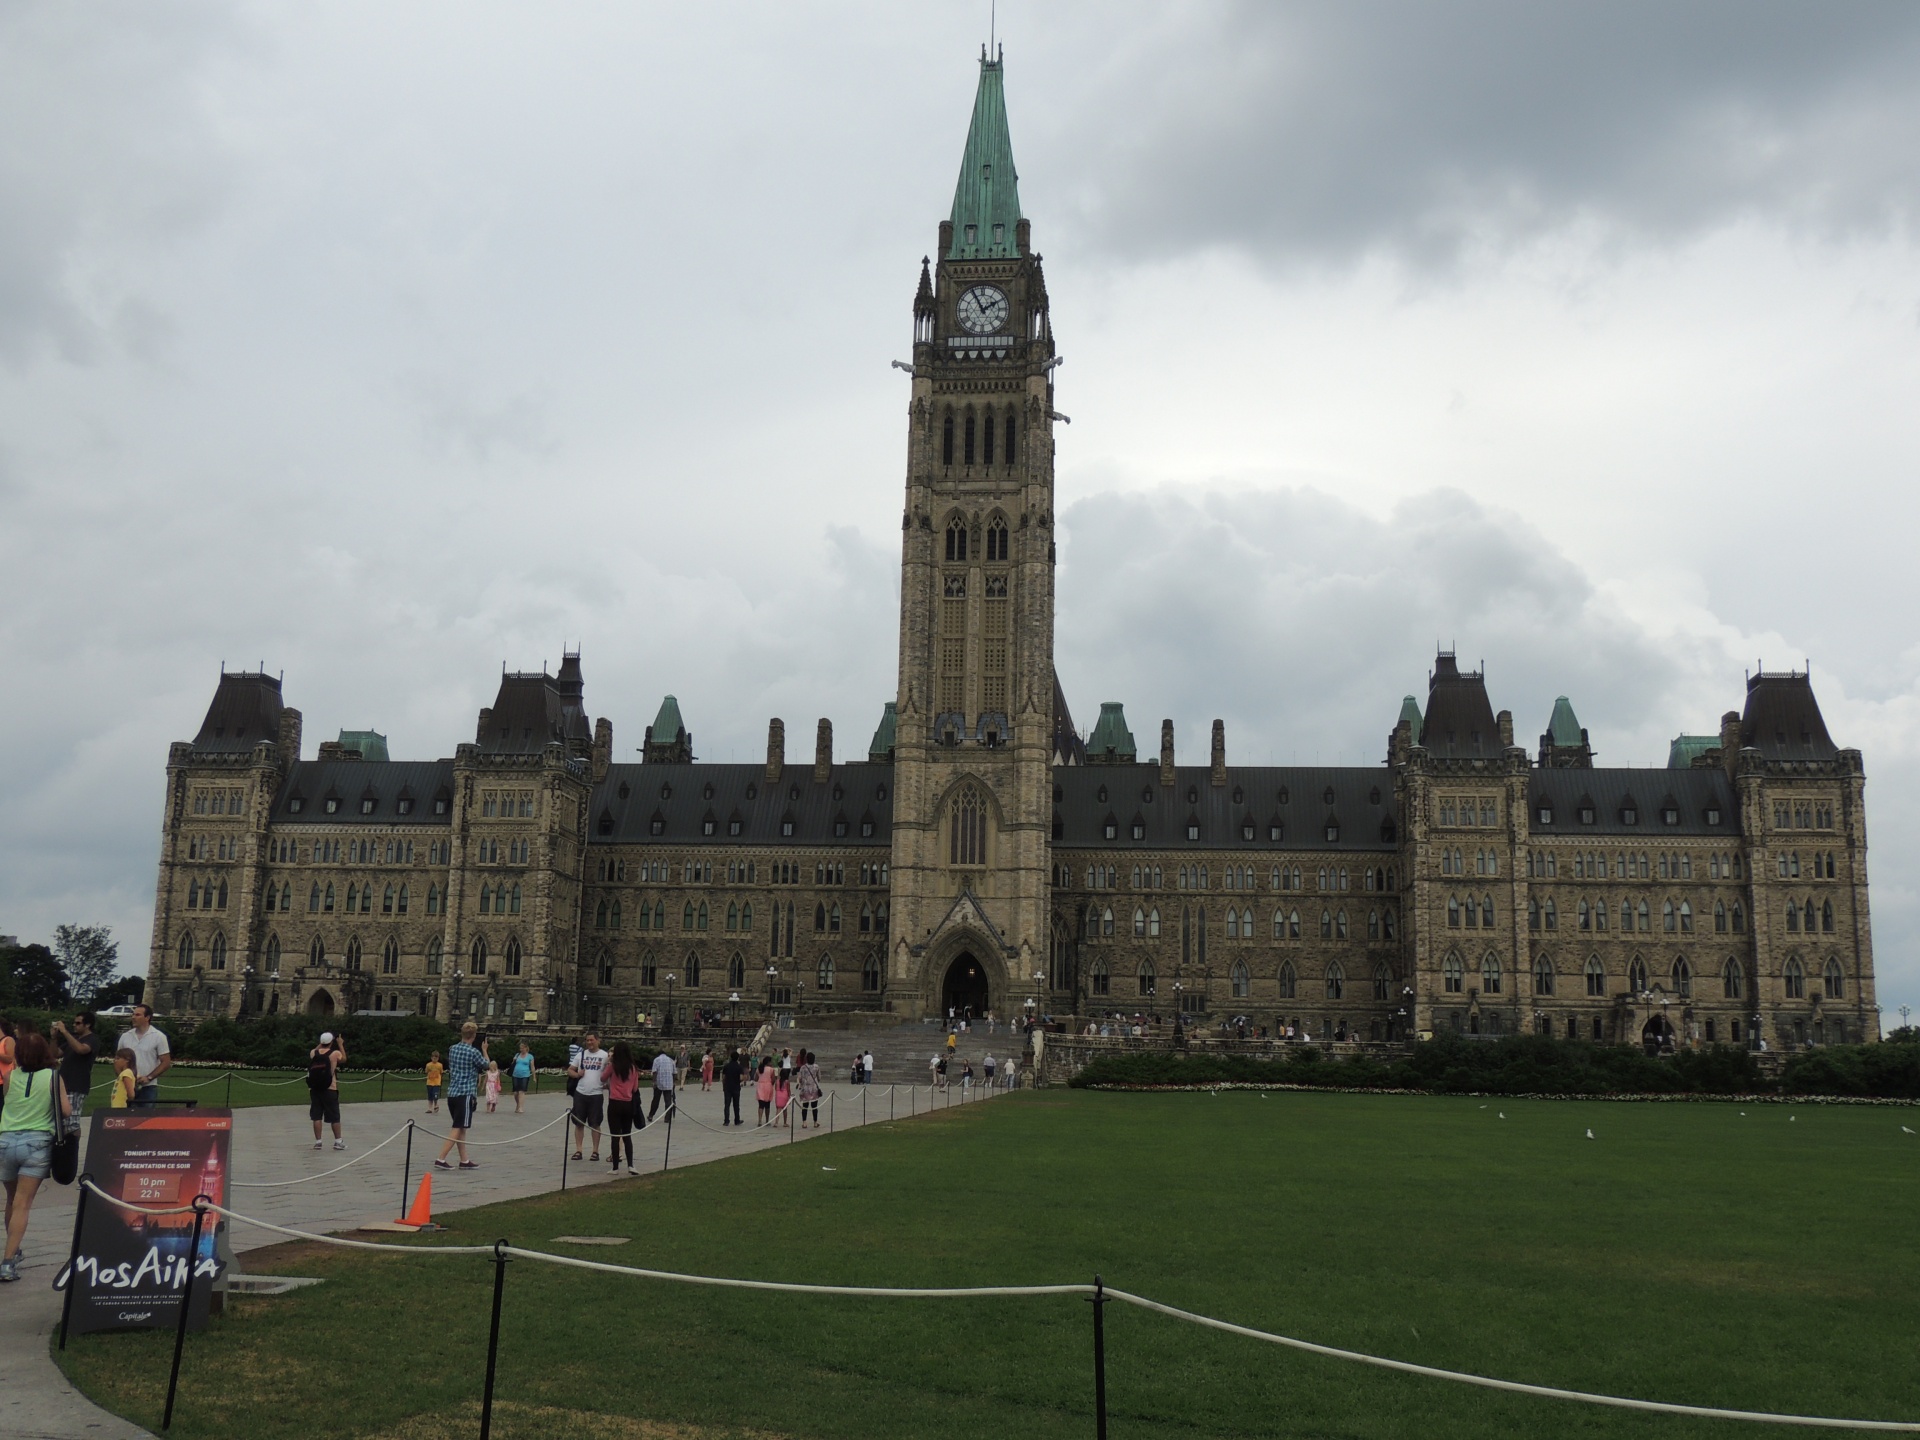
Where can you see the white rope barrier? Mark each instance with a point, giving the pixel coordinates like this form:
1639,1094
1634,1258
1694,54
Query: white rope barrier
1405,1367
510,1140
303,1179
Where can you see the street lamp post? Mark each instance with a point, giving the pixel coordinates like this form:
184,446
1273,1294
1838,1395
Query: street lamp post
1904,1011
669,1026
733,1006
246,989
457,978
550,994
773,974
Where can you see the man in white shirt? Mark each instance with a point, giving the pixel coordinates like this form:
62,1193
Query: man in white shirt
867,1060
589,1093
152,1055
662,1086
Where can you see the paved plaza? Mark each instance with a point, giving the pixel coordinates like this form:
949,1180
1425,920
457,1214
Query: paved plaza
519,1156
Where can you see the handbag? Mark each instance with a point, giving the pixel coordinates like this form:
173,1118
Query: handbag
66,1141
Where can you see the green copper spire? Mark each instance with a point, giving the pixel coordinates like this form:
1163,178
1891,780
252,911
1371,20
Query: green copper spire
1564,727
986,202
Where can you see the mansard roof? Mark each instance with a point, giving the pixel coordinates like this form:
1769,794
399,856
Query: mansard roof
988,191
1685,749
682,797
1564,727
371,744
880,749
1111,739
667,725
385,782
1296,797
1782,719
1460,721
1696,796
533,711
246,710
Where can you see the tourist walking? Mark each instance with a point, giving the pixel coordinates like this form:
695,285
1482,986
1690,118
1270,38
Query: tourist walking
806,1088
866,1064
36,1103
465,1061
8,1043
966,1075
706,1071
323,1087
763,1090
436,1073
783,1100
623,1086
589,1093
1013,1074
662,1086
987,1065
493,1087
522,1078
940,1071
731,1074
79,1048
152,1055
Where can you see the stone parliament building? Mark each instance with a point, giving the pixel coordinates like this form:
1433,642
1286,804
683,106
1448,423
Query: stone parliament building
983,855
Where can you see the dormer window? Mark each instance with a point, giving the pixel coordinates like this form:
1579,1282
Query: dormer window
972,233
707,825
440,804
733,825
786,826
1275,830
403,807
1670,816
1238,795
1193,827
1139,830
999,233
1111,830
296,805
1546,814
1283,794
367,804
1333,834
1246,831
333,804
606,822
1713,815
1629,815
658,825
1101,795
840,829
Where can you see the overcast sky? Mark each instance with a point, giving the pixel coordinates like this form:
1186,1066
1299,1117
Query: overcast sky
386,345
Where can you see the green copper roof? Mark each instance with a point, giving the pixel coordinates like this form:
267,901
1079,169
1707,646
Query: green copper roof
1111,739
370,743
986,202
1410,712
1680,754
1564,727
881,750
666,725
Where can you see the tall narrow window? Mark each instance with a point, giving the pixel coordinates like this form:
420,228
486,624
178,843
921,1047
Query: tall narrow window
997,538
969,438
946,440
987,447
1007,444
967,839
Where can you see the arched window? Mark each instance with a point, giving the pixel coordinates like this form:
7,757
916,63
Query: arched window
1682,978
746,916
692,968
353,954
969,438
1148,979
967,829
613,923
1596,977
733,917
1686,917
1796,979
1233,923
1645,917
1739,918
436,955
1280,924
1139,923
1543,976
273,954
1373,923
386,901
870,975
1453,975
217,956
946,441
1153,923
1340,924
824,974
223,894
1486,911
513,955
326,904
193,894
1326,924
1453,912
390,957
1732,980
353,897
686,916
1386,921
313,898
486,899
1106,923
186,952
986,450
820,917
1101,977
1382,982
700,917
403,899
1720,917
1006,443
1289,981
317,953
1637,976
997,537
1826,917
1666,916
433,899
515,904
833,918
1490,974
1832,979
1336,981
600,916
477,956
1242,981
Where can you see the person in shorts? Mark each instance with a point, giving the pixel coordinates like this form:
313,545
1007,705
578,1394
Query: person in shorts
36,1108
466,1063
589,1093
323,1087
522,1077
436,1072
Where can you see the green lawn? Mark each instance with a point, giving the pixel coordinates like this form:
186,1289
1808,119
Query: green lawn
270,1087
1689,1252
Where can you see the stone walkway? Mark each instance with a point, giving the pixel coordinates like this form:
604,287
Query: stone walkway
273,1143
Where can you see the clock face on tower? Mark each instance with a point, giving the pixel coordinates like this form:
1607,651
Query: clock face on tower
982,310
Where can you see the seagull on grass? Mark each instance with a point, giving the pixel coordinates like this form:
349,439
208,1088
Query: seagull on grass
1589,1132
1909,1131
1503,1114
829,1167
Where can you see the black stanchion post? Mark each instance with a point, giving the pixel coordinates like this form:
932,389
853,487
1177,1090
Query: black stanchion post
383,1087
186,1304
564,1152
666,1152
229,1089
406,1168
863,1106
493,1336
831,1097
73,1258
1099,1302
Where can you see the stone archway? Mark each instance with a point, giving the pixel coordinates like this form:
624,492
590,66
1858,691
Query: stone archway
320,1003
965,989
1656,1035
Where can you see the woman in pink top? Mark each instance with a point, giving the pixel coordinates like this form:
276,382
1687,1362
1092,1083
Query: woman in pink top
763,1090
706,1071
782,1093
622,1078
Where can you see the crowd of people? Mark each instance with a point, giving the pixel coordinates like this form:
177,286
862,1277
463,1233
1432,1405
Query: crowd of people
947,1066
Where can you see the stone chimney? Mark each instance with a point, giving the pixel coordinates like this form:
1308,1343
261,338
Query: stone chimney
289,742
480,730
823,752
1166,752
1219,776
776,748
1505,721
602,748
1730,741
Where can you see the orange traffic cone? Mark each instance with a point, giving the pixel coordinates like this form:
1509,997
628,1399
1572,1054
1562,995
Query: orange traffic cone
422,1212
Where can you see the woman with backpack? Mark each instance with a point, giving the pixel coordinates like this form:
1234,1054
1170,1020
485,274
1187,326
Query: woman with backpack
323,1086
36,1103
806,1088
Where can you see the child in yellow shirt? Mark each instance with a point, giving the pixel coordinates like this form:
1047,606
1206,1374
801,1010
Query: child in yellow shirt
123,1080
435,1073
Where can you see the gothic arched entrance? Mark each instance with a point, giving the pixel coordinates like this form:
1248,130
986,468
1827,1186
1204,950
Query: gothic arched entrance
964,992
1656,1035
320,1003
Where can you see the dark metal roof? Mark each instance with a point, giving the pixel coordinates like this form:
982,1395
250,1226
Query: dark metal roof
1694,794
1362,806
532,711
1460,721
385,782
1068,748
683,798
1782,719
245,710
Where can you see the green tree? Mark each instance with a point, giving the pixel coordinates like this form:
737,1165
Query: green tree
88,955
34,978
127,990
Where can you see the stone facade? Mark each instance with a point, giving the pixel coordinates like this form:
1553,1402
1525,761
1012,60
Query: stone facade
982,856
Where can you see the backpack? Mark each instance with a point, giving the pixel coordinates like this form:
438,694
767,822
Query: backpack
320,1071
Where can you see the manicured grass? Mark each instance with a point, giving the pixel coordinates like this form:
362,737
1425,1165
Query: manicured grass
270,1087
1689,1252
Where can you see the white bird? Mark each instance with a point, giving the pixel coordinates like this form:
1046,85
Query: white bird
1483,1107
829,1167
1589,1132
1903,1127
1503,1114
1743,1114
1792,1118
